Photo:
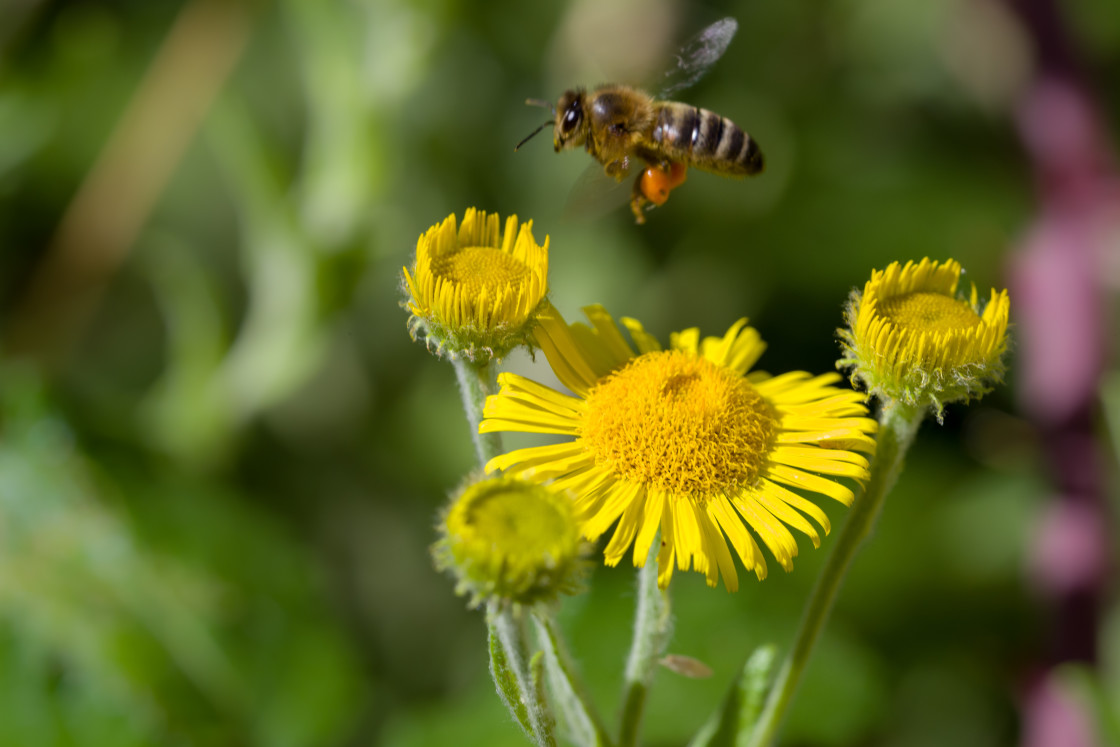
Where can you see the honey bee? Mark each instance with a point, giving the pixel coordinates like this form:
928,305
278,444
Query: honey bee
621,126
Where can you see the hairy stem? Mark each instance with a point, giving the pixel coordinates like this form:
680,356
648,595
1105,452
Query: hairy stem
652,628
897,426
476,383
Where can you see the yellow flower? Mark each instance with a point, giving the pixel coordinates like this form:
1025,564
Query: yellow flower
683,440
510,540
473,289
912,339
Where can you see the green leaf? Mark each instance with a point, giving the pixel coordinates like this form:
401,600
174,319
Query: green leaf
731,726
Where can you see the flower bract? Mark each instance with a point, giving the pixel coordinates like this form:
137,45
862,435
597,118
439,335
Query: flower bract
911,338
683,441
475,287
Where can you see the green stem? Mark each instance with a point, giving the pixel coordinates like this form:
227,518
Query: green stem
476,383
652,628
897,426
514,675
570,694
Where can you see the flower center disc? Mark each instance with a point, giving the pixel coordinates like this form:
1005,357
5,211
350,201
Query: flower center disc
679,423
478,269
522,524
923,311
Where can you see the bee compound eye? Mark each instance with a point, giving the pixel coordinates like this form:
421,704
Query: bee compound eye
571,119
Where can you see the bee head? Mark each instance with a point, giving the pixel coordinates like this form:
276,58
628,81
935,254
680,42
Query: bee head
571,126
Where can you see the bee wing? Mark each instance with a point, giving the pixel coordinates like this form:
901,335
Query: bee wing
697,56
595,194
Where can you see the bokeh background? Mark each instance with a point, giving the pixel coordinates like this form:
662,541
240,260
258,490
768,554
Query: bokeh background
222,457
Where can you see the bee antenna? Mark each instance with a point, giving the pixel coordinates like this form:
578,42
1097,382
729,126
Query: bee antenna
542,104
532,134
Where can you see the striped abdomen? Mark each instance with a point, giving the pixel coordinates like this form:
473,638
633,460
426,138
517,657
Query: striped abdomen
704,139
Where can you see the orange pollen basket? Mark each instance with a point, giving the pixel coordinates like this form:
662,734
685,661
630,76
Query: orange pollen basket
657,183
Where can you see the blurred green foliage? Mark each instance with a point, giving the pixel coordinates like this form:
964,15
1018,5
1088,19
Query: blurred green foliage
215,508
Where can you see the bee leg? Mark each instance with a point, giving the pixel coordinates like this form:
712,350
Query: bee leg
638,200
618,168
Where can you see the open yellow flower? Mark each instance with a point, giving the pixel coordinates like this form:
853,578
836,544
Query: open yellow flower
912,339
683,440
473,289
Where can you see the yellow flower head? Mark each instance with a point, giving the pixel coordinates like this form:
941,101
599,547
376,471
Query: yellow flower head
683,440
511,540
912,339
473,290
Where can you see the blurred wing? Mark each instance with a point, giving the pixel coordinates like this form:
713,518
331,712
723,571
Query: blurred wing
595,194
697,56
